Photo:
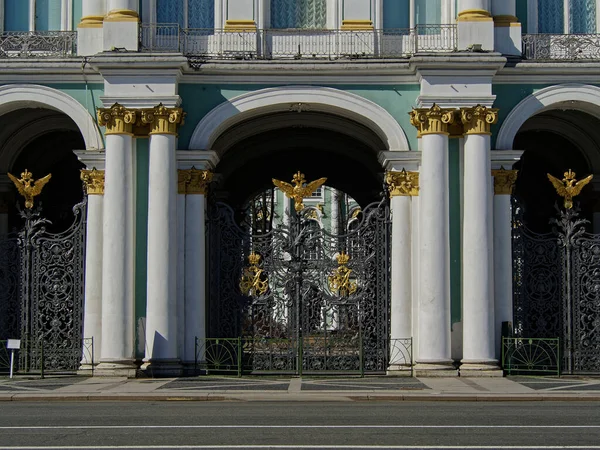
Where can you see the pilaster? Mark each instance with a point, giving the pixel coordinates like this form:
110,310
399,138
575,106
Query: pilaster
475,26
402,186
507,29
121,26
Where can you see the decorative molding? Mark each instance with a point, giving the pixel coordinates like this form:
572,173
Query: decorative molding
93,181
279,99
479,119
434,120
193,181
583,97
357,25
16,96
474,15
504,181
506,21
240,25
91,22
402,183
162,120
117,119
122,15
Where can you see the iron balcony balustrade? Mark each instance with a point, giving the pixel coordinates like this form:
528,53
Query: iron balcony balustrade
561,47
38,44
279,44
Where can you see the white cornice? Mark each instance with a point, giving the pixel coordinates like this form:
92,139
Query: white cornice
427,101
397,161
170,101
200,159
91,158
505,158
549,73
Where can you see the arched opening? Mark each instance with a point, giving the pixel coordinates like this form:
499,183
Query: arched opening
41,141
554,141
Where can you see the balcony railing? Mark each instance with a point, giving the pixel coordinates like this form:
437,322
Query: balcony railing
297,43
38,44
561,47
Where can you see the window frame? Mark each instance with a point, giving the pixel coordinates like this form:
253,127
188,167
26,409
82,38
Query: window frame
533,19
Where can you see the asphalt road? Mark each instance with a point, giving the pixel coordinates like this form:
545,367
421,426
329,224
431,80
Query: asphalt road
146,425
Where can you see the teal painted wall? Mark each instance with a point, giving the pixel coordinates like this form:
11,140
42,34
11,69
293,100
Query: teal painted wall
142,164
88,95
47,15
396,14
522,14
16,15
198,100
455,231
77,13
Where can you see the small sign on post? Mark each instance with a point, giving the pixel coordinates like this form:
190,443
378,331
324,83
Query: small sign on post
13,345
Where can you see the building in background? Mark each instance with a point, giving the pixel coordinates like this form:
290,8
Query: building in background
178,115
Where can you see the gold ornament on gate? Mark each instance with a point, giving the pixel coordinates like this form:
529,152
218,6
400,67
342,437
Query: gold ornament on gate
254,282
340,281
29,188
569,187
300,189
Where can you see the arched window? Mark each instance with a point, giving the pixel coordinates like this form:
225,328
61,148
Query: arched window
187,13
299,14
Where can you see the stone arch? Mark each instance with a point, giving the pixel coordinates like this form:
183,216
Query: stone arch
16,96
286,98
582,97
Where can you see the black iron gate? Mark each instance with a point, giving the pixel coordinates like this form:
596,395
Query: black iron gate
301,298
41,291
557,288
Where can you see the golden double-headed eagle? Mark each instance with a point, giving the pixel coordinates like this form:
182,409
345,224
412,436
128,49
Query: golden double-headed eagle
28,187
569,187
300,189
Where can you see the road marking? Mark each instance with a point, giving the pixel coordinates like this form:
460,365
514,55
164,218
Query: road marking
120,427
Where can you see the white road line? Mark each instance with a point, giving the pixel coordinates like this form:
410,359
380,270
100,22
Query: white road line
119,427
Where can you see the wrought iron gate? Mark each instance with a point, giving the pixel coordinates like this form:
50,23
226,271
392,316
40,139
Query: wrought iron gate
302,299
41,291
557,288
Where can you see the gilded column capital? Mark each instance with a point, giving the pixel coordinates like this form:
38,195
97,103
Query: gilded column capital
478,119
434,120
193,181
162,120
504,181
93,181
402,183
117,119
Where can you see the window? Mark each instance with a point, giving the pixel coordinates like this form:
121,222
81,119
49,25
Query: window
186,13
396,14
318,192
580,16
299,14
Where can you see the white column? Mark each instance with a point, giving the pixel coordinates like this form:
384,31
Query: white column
477,247
92,319
121,25
475,25
507,29
433,355
180,267
31,15
503,311
89,30
161,307
117,246
402,186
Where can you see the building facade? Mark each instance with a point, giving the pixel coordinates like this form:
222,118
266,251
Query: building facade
425,110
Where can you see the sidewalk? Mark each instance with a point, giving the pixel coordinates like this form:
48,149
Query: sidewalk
280,388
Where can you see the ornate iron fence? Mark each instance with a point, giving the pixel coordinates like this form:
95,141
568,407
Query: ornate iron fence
209,43
531,355
38,44
561,47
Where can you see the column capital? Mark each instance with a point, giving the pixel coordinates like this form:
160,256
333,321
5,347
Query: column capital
478,119
434,120
504,181
117,119
93,181
193,181
402,183
474,15
162,120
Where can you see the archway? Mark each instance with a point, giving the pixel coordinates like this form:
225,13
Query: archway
312,283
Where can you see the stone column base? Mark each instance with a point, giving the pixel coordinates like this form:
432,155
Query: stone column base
480,369
162,368
435,369
86,369
116,369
